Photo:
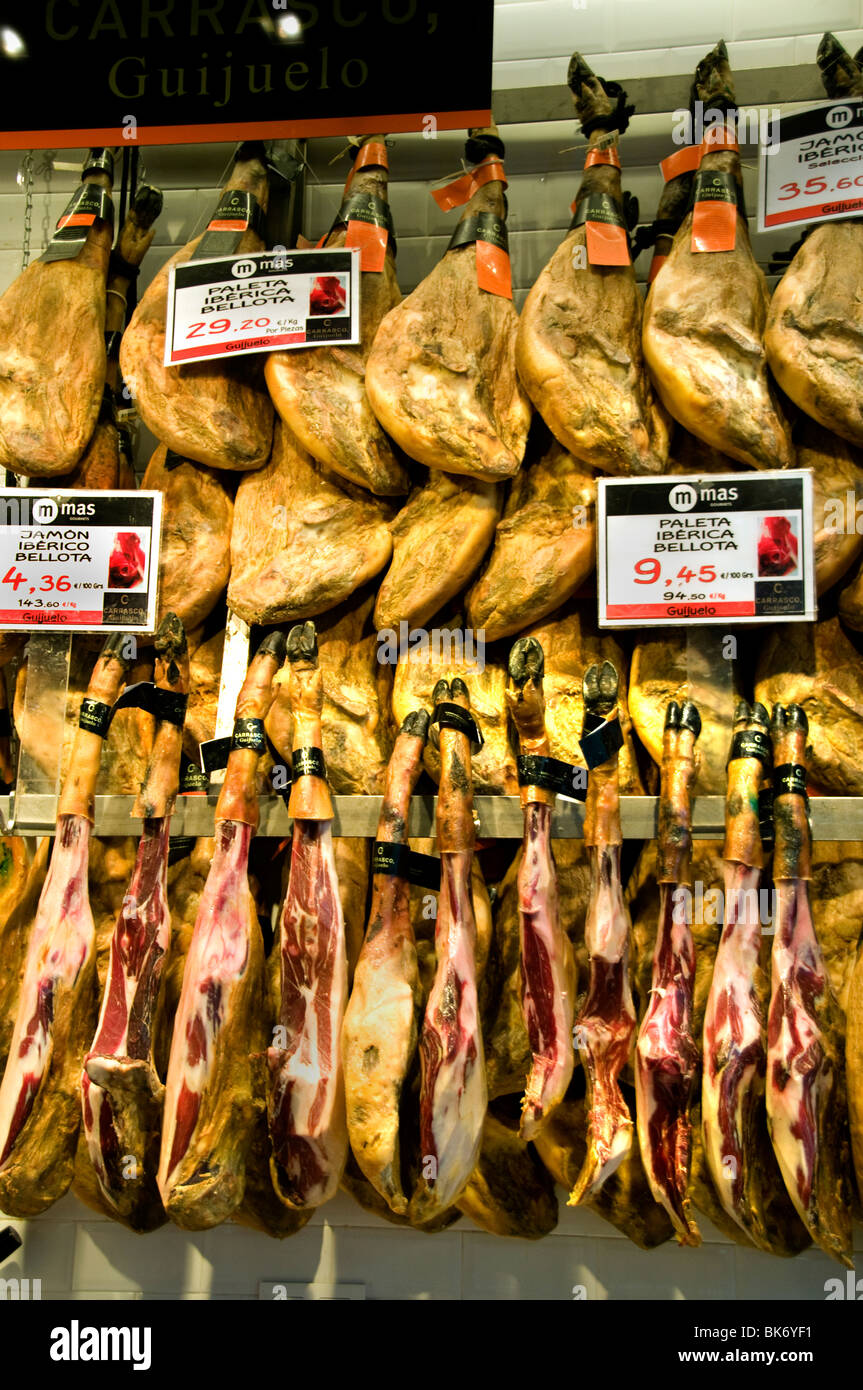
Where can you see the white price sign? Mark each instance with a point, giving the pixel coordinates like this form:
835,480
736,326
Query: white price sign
815,172
83,560
729,547
228,306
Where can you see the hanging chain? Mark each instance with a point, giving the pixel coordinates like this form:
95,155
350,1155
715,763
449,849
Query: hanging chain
27,179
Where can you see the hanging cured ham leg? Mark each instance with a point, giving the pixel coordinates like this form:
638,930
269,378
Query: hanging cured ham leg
606,1024
666,1056
441,374
706,310
579,349
737,1149
215,413
814,334
320,392
52,346
40,1108
453,1093
208,1120
379,1037
99,466
121,1092
306,1104
547,965
806,1101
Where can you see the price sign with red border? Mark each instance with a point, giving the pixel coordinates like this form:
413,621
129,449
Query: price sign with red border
729,547
814,173
84,560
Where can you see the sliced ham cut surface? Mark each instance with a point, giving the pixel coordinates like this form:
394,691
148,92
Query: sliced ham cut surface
306,1103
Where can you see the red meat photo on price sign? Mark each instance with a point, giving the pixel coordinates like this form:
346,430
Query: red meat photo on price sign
328,295
777,548
127,564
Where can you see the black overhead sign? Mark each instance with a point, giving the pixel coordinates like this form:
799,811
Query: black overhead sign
150,72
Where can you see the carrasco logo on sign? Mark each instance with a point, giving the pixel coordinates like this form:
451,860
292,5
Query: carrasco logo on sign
682,498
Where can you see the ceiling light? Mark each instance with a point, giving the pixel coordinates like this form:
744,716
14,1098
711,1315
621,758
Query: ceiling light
288,26
11,43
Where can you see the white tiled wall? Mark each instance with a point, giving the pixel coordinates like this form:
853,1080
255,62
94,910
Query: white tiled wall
79,1255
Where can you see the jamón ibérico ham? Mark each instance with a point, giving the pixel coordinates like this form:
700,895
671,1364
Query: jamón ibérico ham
806,1102
126,565
606,1023
547,964
453,1093
40,1109
209,1112
379,1037
306,1107
121,1093
666,1056
733,1118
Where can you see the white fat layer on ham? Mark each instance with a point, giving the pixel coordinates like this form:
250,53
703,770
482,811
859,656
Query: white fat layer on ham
218,956
314,996
61,942
452,1033
547,994
796,1053
733,1025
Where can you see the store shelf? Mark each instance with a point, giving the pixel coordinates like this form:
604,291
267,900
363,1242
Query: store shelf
500,817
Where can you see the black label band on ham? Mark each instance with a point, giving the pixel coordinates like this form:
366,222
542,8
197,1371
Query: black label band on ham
447,716
481,226
213,753
308,762
553,775
603,738
168,706
789,779
597,207
751,743
238,211
84,208
365,207
173,460
192,779
400,861
95,716
765,816
714,186
248,736
98,161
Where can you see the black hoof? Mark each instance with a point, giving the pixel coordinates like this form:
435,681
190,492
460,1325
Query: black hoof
303,643
526,662
441,692
273,645
416,724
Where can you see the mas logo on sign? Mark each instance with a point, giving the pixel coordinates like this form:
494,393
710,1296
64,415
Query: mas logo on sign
45,510
840,115
683,498
243,269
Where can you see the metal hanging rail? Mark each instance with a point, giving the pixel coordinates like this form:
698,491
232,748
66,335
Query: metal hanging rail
356,817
